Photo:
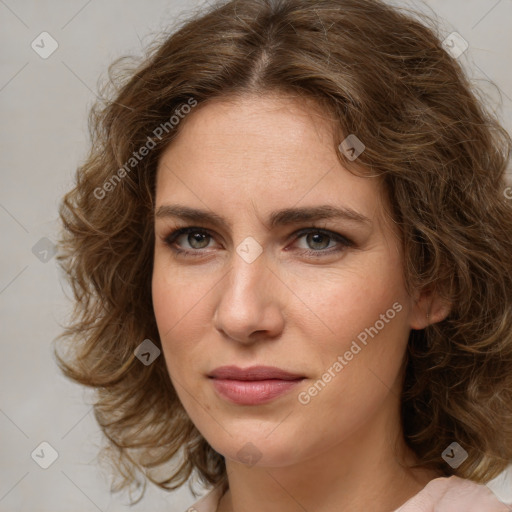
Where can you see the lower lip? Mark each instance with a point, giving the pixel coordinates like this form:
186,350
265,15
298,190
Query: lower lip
245,392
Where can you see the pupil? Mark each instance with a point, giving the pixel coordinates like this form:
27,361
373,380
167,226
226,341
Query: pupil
317,240
197,237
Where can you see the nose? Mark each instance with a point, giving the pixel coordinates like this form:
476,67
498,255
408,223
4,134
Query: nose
250,305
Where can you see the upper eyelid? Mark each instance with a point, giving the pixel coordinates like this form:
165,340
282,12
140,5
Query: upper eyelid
298,233
182,230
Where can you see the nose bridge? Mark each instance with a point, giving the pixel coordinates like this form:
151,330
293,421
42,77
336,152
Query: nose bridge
249,298
248,277
248,264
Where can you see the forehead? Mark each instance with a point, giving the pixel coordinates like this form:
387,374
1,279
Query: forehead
277,150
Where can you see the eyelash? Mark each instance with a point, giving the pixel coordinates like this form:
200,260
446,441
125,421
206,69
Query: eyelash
342,240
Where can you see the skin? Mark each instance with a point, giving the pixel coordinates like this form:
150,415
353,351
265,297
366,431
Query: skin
243,158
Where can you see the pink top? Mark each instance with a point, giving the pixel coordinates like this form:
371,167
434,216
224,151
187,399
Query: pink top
443,494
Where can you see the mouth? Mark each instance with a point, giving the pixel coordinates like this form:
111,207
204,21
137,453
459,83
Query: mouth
253,373
254,385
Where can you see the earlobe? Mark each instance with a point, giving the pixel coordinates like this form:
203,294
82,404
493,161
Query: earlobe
429,308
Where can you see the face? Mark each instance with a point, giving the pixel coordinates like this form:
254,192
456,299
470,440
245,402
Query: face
268,275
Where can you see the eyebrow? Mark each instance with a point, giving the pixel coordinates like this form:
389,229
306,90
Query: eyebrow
284,217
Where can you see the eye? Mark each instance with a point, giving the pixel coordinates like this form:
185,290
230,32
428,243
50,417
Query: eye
196,238
319,242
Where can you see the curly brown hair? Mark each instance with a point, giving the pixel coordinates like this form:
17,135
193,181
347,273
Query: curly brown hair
383,75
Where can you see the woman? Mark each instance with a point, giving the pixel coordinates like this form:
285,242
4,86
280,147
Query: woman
290,253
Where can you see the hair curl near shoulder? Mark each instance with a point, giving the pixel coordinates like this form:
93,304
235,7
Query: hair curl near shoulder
383,75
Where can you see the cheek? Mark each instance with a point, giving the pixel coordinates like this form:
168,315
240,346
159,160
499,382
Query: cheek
170,299
361,315
359,305
166,305
342,304
183,315
176,295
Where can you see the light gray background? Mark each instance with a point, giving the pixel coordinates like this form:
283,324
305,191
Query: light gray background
44,106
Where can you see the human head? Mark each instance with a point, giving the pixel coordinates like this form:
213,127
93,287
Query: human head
439,155
254,293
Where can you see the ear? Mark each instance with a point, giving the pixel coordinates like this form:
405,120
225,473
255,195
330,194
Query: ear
428,308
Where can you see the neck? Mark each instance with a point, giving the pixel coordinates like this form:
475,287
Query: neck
365,471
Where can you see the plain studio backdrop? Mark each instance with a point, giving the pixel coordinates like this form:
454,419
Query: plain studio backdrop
44,104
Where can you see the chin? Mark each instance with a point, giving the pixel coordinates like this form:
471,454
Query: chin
255,447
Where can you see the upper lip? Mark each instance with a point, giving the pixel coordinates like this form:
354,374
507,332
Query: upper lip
253,373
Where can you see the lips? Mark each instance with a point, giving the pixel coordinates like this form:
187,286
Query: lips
253,373
252,386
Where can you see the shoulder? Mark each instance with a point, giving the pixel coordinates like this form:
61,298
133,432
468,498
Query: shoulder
445,494
454,494
208,503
